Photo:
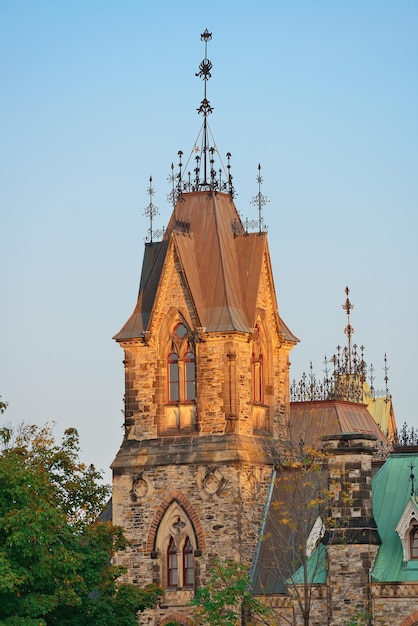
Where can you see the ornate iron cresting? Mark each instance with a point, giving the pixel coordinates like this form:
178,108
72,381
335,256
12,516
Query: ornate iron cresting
205,175
151,211
349,373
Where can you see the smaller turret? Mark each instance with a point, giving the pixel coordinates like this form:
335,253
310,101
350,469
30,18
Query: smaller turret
351,536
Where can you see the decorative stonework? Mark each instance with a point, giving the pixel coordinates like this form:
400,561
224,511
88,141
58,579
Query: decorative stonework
179,497
211,481
141,486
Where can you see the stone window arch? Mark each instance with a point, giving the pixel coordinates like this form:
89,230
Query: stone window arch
412,620
176,546
179,401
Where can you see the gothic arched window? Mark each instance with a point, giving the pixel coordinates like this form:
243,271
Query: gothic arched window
189,375
175,545
413,542
173,377
172,565
257,368
188,564
181,367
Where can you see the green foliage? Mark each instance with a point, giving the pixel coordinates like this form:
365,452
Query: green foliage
360,619
226,597
55,556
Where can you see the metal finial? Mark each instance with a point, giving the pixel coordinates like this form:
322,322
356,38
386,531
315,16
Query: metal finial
172,196
204,174
386,379
371,378
259,200
151,211
348,330
205,107
205,65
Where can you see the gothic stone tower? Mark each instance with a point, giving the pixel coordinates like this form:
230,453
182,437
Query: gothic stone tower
206,392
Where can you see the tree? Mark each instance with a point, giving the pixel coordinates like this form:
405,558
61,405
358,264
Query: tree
295,526
55,554
318,515
226,599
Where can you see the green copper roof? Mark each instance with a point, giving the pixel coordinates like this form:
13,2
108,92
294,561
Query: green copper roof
391,488
316,569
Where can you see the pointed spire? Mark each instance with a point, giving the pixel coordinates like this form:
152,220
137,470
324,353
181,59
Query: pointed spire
204,175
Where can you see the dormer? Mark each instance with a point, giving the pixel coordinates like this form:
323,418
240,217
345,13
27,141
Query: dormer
407,529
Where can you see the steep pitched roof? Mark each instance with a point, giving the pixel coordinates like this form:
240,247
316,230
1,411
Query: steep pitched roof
221,267
137,324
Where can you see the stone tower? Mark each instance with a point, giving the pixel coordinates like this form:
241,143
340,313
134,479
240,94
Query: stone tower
206,359
352,538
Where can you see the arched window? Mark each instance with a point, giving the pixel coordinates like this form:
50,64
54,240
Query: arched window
189,376
173,377
175,546
257,368
258,392
188,564
172,565
413,542
181,367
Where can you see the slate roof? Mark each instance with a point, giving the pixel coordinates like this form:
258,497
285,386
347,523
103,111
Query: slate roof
221,266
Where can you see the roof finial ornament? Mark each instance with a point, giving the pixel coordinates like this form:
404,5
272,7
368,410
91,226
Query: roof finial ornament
204,72
348,330
205,107
151,211
204,175
386,379
259,200
172,196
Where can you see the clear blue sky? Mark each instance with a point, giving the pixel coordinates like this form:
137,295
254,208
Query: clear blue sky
96,96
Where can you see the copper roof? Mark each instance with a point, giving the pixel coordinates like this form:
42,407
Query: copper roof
313,419
221,265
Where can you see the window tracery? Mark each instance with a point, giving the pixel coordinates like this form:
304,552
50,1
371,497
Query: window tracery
181,367
176,545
